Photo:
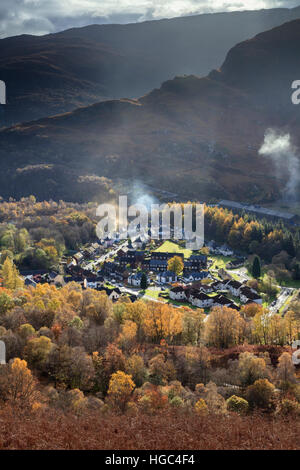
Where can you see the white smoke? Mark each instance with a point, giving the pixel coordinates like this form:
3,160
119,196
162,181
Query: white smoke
284,154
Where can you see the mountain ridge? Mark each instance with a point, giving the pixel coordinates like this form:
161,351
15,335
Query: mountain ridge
197,137
58,72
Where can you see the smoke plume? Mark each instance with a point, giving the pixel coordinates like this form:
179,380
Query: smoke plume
280,149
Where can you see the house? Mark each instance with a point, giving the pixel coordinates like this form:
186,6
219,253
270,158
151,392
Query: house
201,300
177,293
247,294
234,307
29,282
195,276
221,301
108,242
159,255
199,260
234,264
78,280
234,287
219,285
166,277
135,279
94,283
224,250
113,294
78,257
110,267
158,265
138,242
59,281
206,289
132,257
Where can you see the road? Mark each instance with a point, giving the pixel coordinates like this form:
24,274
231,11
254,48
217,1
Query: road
283,296
106,256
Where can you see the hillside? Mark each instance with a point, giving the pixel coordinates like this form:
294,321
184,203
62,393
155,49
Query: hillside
197,137
59,72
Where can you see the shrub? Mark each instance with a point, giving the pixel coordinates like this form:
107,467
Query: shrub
201,407
289,407
237,404
177,402
261,394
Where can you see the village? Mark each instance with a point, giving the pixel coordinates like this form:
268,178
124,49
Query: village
136,269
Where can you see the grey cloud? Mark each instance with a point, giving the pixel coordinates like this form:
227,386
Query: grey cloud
45,16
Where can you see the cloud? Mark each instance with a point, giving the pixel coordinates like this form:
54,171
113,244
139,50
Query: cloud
46,16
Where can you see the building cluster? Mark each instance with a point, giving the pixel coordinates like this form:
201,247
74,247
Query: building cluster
198,294
125,265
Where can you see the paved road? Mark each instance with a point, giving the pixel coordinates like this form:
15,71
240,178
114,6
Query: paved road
105,257
283,296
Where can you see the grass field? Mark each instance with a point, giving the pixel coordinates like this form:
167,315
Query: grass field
153,293
220,261
171,247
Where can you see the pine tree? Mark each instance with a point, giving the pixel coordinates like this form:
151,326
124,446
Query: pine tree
144,282
256,267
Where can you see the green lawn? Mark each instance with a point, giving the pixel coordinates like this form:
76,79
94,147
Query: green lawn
220,261
171,247
154,293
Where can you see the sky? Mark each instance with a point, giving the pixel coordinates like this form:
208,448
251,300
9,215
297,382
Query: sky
46,16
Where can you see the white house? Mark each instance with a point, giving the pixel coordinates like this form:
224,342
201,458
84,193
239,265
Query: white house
107,242
234,287
296,353
195,276
201,300
166,277
221,301
177,293
135,279
138,242
247,295
113,294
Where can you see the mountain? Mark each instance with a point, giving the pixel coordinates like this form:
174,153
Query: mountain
56,73
196,137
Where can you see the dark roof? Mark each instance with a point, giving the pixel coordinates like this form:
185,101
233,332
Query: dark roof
201,258
221,299
200,296
235,284
162,254
198,274
177,289
168,274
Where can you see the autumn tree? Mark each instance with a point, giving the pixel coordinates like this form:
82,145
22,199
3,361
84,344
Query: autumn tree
161,370
285,371
261,394
224,328
37,350
136,368
251,368
162,322
176,265
17,384
120,390
10,275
